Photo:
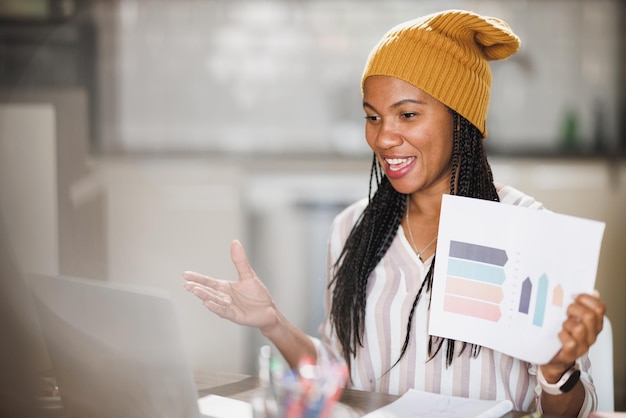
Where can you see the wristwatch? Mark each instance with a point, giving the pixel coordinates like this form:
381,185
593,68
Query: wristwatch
566,383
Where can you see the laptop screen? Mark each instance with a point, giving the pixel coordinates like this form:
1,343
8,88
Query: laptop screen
116,351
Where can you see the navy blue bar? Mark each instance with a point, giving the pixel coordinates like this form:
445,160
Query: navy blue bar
478,253
524,300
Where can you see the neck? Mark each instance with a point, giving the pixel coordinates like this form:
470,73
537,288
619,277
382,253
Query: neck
425,209
421,230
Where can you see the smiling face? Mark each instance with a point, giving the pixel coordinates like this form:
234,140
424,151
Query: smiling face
411,134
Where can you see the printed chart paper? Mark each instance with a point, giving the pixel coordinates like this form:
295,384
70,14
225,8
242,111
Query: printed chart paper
419,404
504,275
214,406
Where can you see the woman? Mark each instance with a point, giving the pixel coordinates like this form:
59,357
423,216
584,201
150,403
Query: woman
425,95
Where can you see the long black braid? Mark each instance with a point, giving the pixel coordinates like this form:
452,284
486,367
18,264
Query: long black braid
375,230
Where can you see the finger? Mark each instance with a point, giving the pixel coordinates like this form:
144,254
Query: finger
587,310
583,326
567,354
217,302
211,298
577,337
240,260
568,344
594,303
224,311
192,277
580,329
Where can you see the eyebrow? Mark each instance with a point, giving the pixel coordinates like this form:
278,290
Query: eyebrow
397,104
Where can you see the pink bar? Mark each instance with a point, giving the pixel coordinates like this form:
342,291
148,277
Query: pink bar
470,307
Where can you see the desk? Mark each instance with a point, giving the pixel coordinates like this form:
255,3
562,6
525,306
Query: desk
353,403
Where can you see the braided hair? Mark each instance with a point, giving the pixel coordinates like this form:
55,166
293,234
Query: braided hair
376,228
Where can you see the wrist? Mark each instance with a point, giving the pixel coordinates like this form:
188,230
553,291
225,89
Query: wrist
272,328
563,383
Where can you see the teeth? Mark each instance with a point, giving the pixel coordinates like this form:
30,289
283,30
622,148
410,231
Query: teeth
397,164
394,161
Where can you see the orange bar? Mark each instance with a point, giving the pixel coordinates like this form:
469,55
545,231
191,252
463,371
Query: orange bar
474,290
557,296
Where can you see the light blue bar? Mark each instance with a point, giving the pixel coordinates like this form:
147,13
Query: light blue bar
542,298
487,273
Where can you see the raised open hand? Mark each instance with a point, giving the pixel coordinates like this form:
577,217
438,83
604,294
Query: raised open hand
245,301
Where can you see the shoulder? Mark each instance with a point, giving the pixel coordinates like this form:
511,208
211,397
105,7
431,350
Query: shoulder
512,196
349,216
344,222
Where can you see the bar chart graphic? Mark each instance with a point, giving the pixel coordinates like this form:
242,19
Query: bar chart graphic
504,275
541,298
474,280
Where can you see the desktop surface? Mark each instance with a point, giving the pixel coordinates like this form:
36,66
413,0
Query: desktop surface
353,402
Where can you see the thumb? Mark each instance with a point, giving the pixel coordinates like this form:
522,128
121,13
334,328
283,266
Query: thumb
240,260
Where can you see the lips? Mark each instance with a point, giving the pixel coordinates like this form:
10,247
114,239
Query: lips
398,167
397,164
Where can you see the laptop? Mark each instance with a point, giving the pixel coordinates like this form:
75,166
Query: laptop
116,351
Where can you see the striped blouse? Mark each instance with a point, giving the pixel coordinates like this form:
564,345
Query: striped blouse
391,289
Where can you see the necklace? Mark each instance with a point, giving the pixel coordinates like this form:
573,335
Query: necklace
419,253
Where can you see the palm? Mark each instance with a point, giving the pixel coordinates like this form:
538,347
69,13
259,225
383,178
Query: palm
250,303
245,301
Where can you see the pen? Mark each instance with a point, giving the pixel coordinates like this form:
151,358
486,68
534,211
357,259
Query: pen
270,403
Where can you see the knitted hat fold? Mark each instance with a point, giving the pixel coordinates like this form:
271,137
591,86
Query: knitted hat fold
446,55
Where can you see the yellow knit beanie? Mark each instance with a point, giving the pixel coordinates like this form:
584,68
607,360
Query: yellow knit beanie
445,54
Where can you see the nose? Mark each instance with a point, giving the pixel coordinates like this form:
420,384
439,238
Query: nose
386,135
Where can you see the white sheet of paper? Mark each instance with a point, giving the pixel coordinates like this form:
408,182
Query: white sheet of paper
418,404
504,275
215,406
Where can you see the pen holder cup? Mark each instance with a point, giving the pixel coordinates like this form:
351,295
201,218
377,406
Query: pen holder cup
310,391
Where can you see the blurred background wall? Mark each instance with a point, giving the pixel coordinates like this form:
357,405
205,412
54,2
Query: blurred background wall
138,138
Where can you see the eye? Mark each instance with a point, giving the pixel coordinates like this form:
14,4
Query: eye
408,115
372,118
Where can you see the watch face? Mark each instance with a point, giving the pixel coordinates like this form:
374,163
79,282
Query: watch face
571,381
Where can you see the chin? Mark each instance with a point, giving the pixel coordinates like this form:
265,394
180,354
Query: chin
402,186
